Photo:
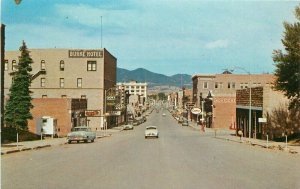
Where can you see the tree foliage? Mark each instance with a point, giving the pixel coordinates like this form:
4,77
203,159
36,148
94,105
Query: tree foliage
162,96
287,62
17,109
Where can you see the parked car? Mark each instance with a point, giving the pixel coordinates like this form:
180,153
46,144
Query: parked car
151,131
185,122
180,119
128,127
81,133
163,114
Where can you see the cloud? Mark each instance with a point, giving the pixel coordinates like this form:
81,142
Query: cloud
217,44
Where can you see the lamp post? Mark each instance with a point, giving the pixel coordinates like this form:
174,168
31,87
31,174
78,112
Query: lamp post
250,98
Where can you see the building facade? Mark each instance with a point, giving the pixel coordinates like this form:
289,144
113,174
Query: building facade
135,88
69,73
263,100
221,89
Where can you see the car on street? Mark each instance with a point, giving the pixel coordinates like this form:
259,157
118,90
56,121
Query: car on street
185,122
81,133
128,127
180,120
151,131
164,114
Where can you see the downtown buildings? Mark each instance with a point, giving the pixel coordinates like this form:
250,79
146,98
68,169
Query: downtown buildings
215,95
81,75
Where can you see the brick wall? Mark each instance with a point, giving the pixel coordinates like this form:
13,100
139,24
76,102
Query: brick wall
224,112
58,108
242,97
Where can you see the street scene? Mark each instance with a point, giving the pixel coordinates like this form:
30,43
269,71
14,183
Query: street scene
150,94
181,157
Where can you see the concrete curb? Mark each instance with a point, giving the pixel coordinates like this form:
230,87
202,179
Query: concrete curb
41,146
25,149
271,146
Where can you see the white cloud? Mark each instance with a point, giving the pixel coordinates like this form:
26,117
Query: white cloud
217,44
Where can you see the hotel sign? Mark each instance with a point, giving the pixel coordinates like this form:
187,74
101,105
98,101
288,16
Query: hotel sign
85,54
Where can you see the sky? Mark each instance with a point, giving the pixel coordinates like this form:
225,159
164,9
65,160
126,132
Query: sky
163,36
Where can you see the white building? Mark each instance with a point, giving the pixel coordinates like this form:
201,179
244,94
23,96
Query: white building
135,88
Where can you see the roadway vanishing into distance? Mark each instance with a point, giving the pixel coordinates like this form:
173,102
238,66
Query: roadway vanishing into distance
181,158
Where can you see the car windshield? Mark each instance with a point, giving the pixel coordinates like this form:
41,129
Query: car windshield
149,128
79,129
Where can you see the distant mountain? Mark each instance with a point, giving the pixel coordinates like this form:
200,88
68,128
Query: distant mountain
153,79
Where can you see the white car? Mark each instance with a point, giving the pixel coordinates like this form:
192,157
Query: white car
128,127
164,114
151,131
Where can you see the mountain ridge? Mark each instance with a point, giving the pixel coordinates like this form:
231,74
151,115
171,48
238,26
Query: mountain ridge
152,78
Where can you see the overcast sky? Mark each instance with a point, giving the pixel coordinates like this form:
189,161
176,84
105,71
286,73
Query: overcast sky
163,36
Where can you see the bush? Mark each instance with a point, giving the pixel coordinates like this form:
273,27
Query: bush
9,134
281,120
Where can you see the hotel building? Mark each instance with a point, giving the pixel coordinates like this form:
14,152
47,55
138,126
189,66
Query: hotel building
69,73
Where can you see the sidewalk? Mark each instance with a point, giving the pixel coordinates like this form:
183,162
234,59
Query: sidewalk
229,135
48,142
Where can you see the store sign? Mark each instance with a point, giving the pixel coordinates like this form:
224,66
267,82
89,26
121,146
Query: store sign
114,113
92,113
262,120
196,111
85,54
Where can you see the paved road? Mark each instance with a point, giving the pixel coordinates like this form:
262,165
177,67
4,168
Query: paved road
181,158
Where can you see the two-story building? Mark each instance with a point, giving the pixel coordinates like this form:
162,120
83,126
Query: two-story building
221,89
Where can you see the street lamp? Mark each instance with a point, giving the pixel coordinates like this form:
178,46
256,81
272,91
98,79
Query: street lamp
250,98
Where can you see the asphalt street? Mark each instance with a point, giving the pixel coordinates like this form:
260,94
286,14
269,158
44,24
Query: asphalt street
180,158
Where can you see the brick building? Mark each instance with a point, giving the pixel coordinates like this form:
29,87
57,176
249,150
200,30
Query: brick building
69,115
222,91
69,73
263,100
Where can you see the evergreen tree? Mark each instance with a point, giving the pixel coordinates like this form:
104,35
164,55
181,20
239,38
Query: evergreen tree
288,62
17,109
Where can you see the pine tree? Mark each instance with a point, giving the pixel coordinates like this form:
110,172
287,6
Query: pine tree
288,62
17,109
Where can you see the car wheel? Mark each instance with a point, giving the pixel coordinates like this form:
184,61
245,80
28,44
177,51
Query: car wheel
77,141
85,141
145,137
69,142
92,140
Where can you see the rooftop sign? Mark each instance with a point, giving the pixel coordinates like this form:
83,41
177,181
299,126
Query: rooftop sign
85,54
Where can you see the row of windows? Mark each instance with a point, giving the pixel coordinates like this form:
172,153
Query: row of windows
65,96
61,82
230,85
91,65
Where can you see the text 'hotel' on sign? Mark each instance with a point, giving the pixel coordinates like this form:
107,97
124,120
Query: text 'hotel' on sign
85,54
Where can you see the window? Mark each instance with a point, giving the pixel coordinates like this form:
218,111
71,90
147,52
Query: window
218,85
205,85
43,82
231,85
91,65
13,65
61,82
43,65
61,65
44,96
83,96
6,65
63,96
79,82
